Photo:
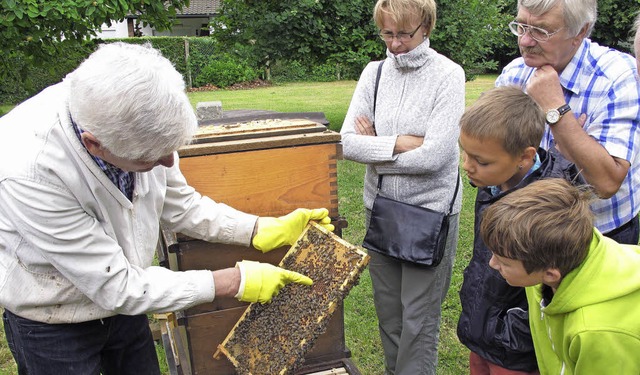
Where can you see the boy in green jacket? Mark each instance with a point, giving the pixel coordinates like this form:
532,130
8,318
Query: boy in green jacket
583,289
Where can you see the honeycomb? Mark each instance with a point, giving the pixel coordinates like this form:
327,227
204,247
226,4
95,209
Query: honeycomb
273,338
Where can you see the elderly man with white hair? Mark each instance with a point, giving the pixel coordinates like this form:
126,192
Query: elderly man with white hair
591,96
89,172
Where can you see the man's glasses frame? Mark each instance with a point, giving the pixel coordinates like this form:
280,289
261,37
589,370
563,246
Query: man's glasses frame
402,37
537,33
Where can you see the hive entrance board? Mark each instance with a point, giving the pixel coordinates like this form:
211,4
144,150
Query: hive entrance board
255,129
273,338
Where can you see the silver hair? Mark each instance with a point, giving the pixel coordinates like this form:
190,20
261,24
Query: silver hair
636,24
133,101
577,13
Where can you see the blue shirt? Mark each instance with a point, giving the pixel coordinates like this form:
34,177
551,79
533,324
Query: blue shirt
122,179
603,83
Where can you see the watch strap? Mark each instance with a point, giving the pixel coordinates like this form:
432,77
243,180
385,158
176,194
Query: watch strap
564,109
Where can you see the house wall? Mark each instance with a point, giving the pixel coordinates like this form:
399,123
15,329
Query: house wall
186,27
119,30
182,27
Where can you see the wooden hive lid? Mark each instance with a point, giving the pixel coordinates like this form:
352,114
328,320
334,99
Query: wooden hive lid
257,134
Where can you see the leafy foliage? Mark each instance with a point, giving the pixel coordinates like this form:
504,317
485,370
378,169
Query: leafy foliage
614,24
467,31
342,34
25,79
224,71
34,28
309,40
314,31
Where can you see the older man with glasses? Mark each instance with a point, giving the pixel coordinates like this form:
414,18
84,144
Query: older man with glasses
590,94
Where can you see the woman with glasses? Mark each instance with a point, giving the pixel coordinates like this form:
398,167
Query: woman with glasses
406,132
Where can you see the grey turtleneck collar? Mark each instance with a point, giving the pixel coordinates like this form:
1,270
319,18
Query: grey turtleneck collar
415,58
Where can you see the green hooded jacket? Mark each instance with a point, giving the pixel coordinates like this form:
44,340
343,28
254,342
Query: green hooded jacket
592,325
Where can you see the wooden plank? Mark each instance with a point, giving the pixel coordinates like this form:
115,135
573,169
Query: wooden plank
244,115
255,126
238,136
269,182
290,140
333,371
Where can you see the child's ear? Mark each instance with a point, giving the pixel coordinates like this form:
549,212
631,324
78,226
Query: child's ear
552,277
528,154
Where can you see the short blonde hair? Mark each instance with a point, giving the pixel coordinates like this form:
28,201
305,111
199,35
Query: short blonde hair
404,11
508,115
547,224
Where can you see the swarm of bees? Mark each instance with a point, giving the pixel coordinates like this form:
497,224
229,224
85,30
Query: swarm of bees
274,338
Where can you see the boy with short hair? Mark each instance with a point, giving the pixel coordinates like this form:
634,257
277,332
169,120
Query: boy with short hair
583,288
500,135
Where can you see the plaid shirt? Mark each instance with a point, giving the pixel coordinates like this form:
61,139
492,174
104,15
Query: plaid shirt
603,83
122,179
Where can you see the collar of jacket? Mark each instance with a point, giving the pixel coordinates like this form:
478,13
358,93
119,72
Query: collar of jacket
415,58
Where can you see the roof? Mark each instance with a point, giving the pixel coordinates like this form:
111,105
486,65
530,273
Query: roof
201,7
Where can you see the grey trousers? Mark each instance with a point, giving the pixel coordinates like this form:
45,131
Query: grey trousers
408,302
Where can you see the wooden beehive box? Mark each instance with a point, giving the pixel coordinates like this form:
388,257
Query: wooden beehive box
273,338
267,168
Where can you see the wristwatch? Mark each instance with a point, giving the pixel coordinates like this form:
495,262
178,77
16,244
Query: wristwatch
554,115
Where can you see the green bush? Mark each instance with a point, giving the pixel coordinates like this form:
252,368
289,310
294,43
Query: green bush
24,78
324,73
208,62
289,71
201,51
346,65
224,72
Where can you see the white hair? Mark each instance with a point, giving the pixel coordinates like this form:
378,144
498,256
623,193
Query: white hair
133,101
577,13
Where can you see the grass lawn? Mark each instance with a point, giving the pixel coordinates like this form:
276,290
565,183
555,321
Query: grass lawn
361,330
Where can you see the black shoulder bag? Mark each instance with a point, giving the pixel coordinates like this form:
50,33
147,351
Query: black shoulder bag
406,232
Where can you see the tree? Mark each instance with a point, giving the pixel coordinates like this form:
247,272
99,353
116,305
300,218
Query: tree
34,27
305,30
614,24
343,30
467,31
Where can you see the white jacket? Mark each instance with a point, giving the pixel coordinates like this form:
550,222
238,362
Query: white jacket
73,248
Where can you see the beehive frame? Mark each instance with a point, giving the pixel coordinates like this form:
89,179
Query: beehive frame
274,338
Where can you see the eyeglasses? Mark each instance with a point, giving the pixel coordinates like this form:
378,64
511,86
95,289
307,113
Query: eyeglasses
537,33
402,37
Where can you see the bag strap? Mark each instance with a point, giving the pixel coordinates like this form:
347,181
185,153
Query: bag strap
375,90
455,194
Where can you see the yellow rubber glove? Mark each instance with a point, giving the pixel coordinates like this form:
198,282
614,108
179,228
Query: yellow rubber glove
262,281
284,230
